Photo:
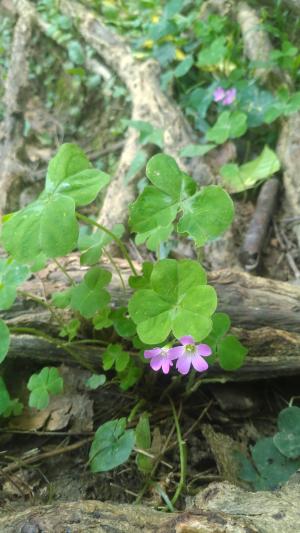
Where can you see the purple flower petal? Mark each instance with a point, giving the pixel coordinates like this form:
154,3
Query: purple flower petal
204,350
229,96
156,362
177,351
152,353
187,339
219,94
199,363
183,364
166,366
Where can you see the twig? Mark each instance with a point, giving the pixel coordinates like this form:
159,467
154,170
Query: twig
285,246
45,455
256,234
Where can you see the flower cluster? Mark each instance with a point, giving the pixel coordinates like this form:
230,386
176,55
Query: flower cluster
225,97
187,355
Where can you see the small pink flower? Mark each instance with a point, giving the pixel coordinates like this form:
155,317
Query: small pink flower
219,94
190,354
230,96
225,97
160,358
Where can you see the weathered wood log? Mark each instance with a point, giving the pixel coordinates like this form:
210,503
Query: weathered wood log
251,301
265,314
221,508
272,353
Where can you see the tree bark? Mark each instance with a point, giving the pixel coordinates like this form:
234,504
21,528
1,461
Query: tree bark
11,169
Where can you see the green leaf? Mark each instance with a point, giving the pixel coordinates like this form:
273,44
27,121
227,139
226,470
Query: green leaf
47,382
143,441
228,126
178,302
88,297
158,206
91,245
112,445
151,209
4,340
183,67
123,324
271,464
231,353
4,397
129,376
95,381
102,319
196,150
287,440
48,226
154,237
212,54
70,173
76,53
142,282
15,408
70,329
115,356
248,175
206,214
61,299
149,134
163,172
220,326
12,275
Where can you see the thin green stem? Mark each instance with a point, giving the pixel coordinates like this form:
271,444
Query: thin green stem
122,247
62,268
88,341
117,269
42,302
135,409
182,455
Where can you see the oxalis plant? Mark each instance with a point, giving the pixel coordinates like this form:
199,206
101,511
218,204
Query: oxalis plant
171,320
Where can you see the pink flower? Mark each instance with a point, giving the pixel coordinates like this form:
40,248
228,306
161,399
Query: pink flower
160,358
219,94
190,354
225,97
230,96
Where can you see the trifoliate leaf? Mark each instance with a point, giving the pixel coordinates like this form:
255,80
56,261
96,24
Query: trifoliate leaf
89,296
178,301
47,382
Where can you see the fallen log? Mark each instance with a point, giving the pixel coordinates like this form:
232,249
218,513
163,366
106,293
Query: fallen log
251,301
265,314
220,508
